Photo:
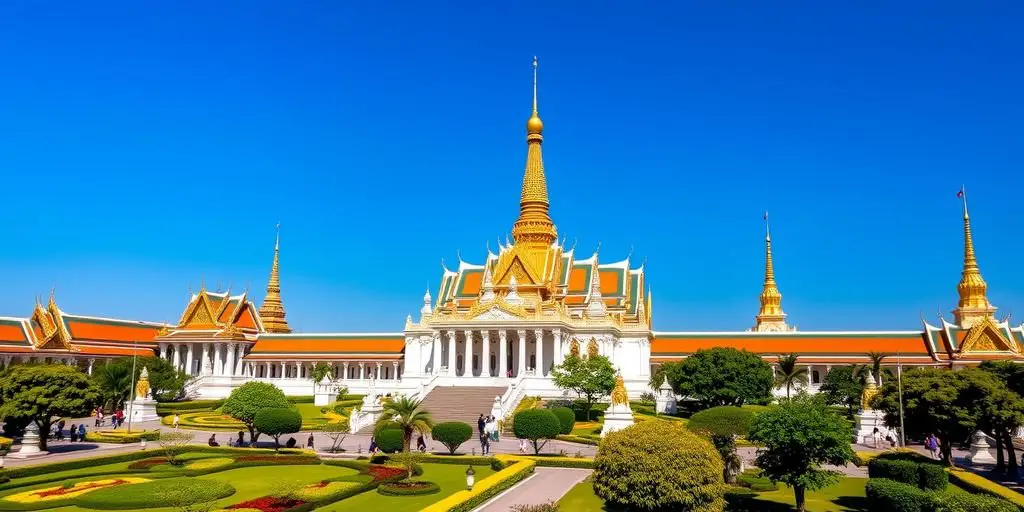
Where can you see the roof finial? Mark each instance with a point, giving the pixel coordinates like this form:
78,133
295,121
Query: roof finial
770,317
534,226
272,311
973,305
767,229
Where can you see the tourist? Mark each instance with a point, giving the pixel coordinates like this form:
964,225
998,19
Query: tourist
56,432
81,431
373,446
73,433
174,423
99,416
309,442
522,446
241,438
494,429
421,444
480,423
213,440
876,436
485,443
932,444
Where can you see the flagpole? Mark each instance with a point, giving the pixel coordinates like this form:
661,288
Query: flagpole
131,392
899,385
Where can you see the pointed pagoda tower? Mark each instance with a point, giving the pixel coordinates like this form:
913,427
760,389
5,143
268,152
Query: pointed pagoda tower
770,318
973,306
272,311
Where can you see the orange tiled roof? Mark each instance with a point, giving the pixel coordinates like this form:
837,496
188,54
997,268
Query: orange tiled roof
805,343
106,329
329,344
97,350
12,330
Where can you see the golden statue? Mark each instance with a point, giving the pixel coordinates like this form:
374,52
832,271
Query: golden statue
574,347
592,350
619,396
869,393
142,386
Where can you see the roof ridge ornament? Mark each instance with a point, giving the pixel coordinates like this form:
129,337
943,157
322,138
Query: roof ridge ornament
534,227
487,294
973,305
770,317
596,307
272,312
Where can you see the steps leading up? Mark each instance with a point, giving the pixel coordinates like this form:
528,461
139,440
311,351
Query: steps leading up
461,403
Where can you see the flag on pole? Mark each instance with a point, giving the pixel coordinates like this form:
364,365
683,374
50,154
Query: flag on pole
766,215
960,194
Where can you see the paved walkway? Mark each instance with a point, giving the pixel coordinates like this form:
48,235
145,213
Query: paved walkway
546,484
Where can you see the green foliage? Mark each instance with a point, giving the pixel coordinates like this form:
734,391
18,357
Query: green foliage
537,426
405,414
659,465
948,404
409,461
277,421
169,408
932,477
43,393
723,424
964,502
389,440
1010,372
174,443
884,495
566,417
408,488
799,436
753,480
452,434
114,382
788,374
904,471
550,506
336,432
250,398
321,371
843,387
591,378
170,491
722,376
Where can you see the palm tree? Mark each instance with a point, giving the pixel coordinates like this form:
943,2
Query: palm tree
875,366
788,373
114,381
404,413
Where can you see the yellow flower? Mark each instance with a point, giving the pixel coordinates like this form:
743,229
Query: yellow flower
62,493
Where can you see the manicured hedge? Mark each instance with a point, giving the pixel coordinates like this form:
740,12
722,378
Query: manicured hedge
561,462
484,490
121,437
932,477
978,484
168,491
301,399
964,502
390,440
579,439
886,495
452,434
566,417
752,479
927,475
400,489
169,408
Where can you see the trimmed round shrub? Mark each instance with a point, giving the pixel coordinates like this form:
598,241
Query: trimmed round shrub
965,502
536,425
904,471
891,496
659,465
566,417
452,434
277,421
727,421
175,492
932,477
408,488
390,440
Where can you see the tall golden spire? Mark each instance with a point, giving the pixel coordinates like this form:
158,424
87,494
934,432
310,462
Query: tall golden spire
770,318
974,305
534,226
272,311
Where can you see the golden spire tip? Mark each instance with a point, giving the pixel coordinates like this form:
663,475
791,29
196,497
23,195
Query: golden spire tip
277,243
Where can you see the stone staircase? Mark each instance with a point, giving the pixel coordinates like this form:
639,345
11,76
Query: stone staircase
461,403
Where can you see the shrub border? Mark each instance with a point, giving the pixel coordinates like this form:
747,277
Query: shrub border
518,468
387,489
974,483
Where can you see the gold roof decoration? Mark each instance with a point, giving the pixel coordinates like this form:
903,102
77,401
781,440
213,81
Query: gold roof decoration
987,336
592,349
534,226
272,311
770,317
973,306
55,333
574,347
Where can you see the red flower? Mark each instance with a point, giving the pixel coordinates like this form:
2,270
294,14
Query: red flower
380,473
269,504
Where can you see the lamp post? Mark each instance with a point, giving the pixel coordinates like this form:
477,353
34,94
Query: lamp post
470,478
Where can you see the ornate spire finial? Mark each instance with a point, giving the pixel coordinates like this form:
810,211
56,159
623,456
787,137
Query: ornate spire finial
272,311
426,310
534,226
973,305
487,290
596,308
770,318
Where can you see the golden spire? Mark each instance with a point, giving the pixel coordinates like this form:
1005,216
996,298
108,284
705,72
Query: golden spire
272,311
770,318
974,304
534,226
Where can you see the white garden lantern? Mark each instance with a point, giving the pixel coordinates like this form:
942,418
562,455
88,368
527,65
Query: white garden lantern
470,478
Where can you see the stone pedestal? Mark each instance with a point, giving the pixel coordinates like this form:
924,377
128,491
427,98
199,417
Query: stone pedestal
143,410
665,402
367,415
867,421
981,450
324,395
29,443
616,418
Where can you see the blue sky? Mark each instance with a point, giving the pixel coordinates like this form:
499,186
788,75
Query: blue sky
145,147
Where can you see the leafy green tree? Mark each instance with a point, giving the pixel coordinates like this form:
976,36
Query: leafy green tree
938,401
799,436
537,426
250,398
591,378
723,376
842,386
321,371
407,461
1002,413
44,393
723,425
1010,372
788,374
276,422
452,434
407,415
115,379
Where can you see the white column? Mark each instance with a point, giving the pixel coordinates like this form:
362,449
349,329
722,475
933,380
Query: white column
230,370
218,366
485,354
522,352
810,381
298,370
163,351
281,376
394,371
204,356
91,361
377,376
362,369
344,370
437,354
188,358
451,353
467,359
502,353
539,334
559,356
176,360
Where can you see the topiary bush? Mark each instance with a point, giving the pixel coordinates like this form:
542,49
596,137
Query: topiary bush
885,495
723,424
390,440
566,417
276,422
537,426
904,471
176,492
659,465
932,477
452,434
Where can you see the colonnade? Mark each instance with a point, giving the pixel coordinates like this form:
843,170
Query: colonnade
342,371
7,361
495,353
199,358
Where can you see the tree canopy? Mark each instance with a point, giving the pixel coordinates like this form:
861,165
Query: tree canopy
788,374
591,378
799,436
722,376
44,393
843,386
249,399
115,379
723,424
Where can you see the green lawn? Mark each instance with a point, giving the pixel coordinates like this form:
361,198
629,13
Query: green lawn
846,496
451,478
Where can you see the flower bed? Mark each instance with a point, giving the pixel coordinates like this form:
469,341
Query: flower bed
268,504
178,492
382,473
122,436
146,464
463,501
323,490
279,459
408,488
64,492
211,463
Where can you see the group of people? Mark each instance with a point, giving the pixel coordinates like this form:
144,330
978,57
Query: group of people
75,433
116,419
488,427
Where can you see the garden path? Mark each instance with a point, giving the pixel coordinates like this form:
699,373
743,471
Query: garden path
546,484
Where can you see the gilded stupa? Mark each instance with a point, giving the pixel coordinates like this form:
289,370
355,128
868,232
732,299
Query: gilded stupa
770,318
272,311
